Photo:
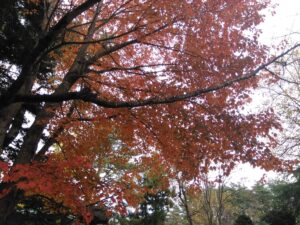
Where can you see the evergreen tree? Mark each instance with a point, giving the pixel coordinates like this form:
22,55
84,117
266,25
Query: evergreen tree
243,220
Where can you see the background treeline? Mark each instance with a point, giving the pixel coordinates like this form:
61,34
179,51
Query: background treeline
218,203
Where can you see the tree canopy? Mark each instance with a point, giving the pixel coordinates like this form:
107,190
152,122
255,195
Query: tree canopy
96,94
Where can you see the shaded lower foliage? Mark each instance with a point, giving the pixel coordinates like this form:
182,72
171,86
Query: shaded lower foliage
37,210
279,217
243,220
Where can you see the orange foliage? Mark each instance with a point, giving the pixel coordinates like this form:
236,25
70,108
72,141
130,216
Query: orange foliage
178,47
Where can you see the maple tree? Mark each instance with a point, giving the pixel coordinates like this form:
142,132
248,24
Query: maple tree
95,93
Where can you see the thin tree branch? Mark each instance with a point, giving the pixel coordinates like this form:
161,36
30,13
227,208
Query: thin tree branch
93,98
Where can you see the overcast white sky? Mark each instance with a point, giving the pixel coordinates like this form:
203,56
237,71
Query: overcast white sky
285,23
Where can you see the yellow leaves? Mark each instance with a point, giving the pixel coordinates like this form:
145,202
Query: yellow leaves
21,205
